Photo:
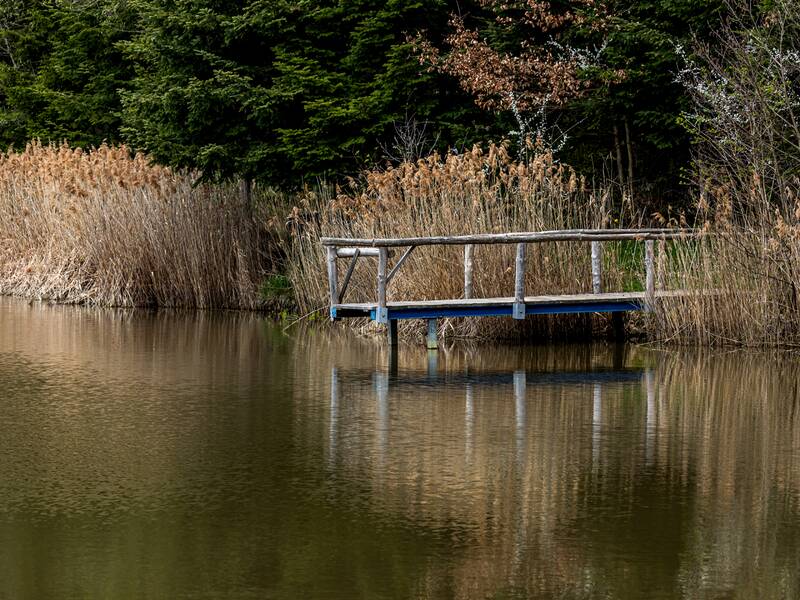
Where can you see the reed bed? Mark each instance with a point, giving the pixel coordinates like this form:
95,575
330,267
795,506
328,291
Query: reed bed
106,227
481,191
745,277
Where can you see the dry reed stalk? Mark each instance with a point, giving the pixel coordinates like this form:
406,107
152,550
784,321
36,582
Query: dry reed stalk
107,228
475,192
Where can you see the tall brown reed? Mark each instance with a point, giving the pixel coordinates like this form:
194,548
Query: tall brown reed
484,190
108,228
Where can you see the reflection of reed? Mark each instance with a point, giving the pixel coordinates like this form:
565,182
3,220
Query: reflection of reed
104,406
737,416
172,347
698,460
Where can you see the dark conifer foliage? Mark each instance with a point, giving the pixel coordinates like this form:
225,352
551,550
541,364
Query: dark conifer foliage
284,90
279,90
61,70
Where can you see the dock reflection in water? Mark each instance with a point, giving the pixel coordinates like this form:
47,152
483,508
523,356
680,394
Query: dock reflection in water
677,478
200,455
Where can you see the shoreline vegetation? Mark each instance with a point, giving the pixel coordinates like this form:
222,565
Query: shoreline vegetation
107,228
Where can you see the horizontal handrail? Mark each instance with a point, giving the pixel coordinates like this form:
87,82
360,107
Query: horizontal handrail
567,235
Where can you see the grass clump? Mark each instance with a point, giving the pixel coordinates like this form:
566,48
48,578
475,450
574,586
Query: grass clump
277,293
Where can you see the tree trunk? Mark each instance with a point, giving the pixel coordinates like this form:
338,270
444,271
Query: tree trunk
246,195
630,155
618,152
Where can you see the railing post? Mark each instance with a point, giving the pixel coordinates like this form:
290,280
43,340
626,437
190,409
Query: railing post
381,313
333,280
518,310
597,260
660,264
468,270
649,264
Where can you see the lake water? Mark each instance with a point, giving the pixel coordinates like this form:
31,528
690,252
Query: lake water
199,455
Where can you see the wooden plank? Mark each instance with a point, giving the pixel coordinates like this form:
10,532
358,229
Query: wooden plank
350,252
597,260
333,276
649,264
508,310
383,259
530,300
574,235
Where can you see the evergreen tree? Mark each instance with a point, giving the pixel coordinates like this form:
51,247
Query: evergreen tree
640,113
281,89
60,70
278,90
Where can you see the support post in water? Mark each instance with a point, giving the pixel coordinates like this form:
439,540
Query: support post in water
597,260
381,312
468,249
333,277
433,364
618,325
392,333
518,310
649,269
432,339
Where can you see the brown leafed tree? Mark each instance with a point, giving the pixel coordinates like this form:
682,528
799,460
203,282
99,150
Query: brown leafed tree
539,71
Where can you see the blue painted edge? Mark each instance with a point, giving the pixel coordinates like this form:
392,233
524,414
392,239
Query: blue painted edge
506,310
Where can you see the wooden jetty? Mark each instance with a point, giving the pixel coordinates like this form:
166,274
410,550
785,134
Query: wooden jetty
518,306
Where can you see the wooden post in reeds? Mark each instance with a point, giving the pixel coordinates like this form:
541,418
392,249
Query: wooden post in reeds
382,314
468,249
518,310
597,260
333,276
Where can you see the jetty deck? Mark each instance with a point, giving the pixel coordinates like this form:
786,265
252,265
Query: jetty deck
518,306
501,307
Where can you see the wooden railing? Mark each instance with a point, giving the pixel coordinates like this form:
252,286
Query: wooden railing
356,248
